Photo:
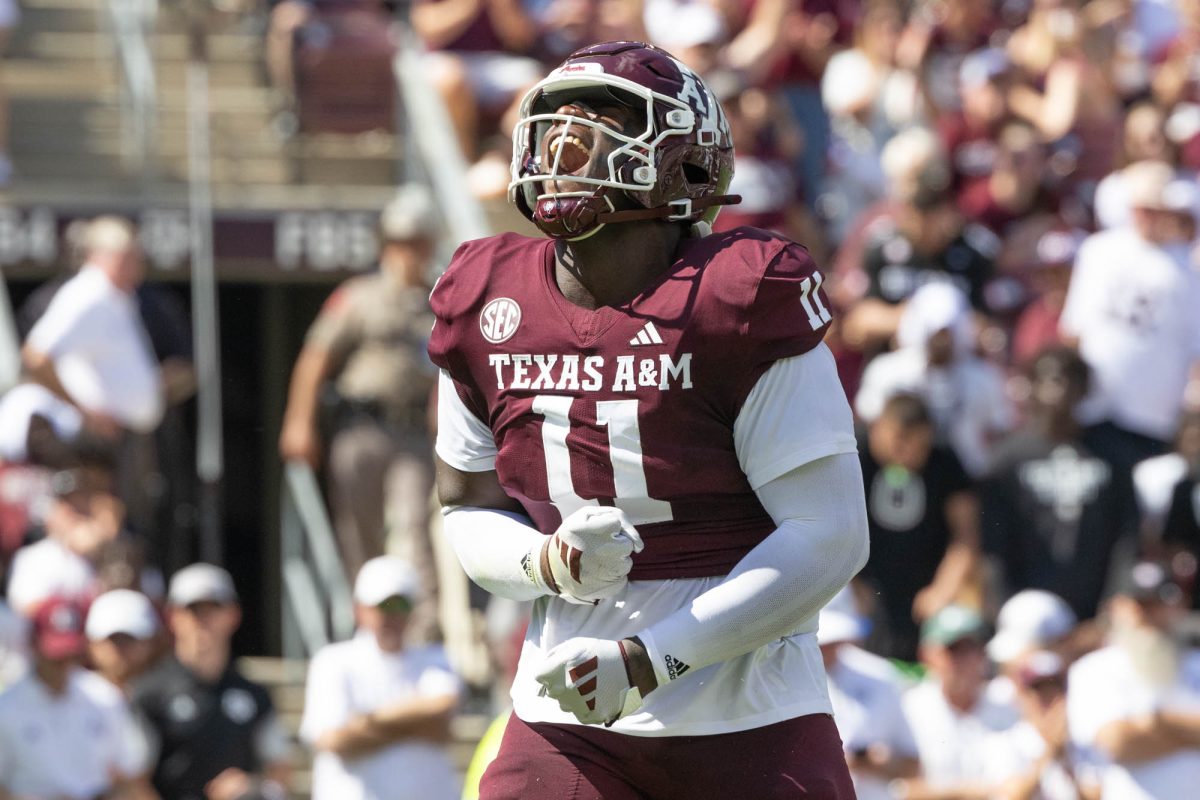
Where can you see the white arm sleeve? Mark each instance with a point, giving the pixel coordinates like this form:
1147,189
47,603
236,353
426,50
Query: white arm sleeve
820,543
499,550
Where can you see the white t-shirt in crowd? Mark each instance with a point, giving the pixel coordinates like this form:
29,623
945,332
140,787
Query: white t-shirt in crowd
48,569
1013,752
967,400
347,679
94,334
19,405
1133,306
1104,687
952,744
68,745
865,691
776,431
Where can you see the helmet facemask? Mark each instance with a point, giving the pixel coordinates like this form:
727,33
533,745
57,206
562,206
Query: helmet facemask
604,168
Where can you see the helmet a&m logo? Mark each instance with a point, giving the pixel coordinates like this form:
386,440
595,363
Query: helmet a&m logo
499,320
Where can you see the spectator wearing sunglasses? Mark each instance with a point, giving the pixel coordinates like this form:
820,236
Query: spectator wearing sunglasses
377,713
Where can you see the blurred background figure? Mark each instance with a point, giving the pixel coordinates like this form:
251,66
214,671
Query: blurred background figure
1058,506
83,519
950,713
923,517
212,733
935,360
478,60
1136,327
865,692
1035,758
66,732
377,713
921,238
123,636
1157,480
91,348
1030,620
1140,741
365,356
1037,326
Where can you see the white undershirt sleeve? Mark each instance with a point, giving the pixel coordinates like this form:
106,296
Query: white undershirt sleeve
797,412
820,543
463,440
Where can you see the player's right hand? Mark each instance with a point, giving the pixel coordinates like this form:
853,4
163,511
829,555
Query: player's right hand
590,555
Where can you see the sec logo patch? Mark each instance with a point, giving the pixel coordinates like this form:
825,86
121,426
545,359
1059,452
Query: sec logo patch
499,320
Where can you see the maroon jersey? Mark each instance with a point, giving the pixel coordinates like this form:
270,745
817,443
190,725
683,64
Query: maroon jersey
629,405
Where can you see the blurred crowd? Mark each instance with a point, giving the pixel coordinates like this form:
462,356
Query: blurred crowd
1005,198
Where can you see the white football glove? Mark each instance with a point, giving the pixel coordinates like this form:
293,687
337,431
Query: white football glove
589,678
589,556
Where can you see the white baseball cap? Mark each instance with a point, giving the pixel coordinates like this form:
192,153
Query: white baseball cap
840,621
201,583
121,611
383,577
1029,619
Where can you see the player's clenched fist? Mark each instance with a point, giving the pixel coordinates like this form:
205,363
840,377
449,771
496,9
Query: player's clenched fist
589,556
590,679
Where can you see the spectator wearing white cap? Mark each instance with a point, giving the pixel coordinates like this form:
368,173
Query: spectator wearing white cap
935,361
123,636
1030,620
66,733
369,341
949,712
377,713
213,732
1131,310
865,692
1133,707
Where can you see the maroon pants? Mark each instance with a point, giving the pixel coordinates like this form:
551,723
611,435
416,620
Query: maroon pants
799,757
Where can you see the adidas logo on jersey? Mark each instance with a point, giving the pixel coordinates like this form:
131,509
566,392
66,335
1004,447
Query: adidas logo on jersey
647,335
675,667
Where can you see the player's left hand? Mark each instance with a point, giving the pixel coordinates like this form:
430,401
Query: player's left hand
590,679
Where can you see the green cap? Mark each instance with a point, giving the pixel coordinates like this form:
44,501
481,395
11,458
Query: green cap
953,624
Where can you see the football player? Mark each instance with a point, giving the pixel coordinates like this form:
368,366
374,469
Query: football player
640,429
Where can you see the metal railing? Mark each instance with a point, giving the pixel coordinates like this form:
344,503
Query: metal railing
317,605
132,23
